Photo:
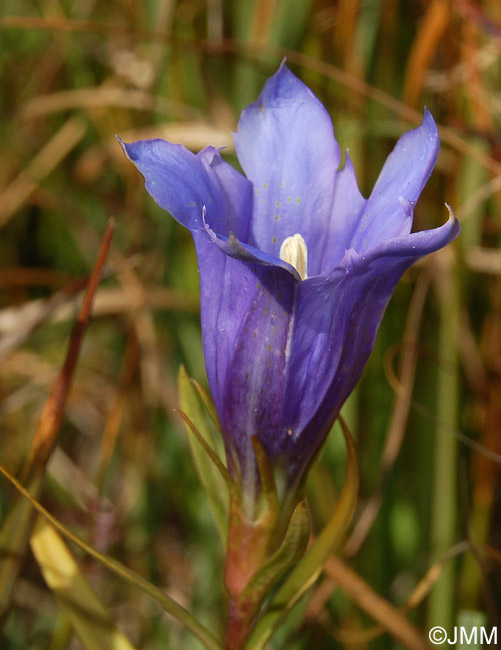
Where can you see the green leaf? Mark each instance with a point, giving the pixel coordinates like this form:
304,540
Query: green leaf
167,603
268,485
208,469
208,403
309,567
292,548
88,616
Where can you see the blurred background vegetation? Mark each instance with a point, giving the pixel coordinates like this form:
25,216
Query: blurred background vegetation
427,414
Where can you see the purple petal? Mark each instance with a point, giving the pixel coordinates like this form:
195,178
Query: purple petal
388,211
246,312
347,207
234,248
286,146
183,183
337,317
237,192
226,291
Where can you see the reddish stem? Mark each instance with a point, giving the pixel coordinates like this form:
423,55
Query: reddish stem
247,547
239,623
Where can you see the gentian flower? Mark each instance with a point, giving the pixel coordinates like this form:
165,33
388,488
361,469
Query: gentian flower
296,267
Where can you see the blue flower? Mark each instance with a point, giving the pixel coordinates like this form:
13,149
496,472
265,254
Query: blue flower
296,267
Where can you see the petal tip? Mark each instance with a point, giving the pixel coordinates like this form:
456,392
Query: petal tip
124,147
282,87
129,149
453,222
429,124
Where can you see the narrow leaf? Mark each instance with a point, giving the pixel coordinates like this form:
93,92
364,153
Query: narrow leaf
88,616
52,415
213,474
207,401
309,567
292,548
14,537
268,485
168,604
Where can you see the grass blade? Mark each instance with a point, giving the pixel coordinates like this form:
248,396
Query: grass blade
88,616
168,604
16,529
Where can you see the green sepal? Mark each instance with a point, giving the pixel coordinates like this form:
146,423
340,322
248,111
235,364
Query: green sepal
309,567
290,550
207,401
269,494
211,470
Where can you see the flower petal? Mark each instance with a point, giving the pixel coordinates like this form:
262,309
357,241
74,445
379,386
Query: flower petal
183,183
388,211
347,207
234,248
286,146
336,320
246,312
237,191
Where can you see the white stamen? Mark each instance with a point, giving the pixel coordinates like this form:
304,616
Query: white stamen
294,251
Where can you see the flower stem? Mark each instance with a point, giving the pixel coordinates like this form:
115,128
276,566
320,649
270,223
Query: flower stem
239,623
